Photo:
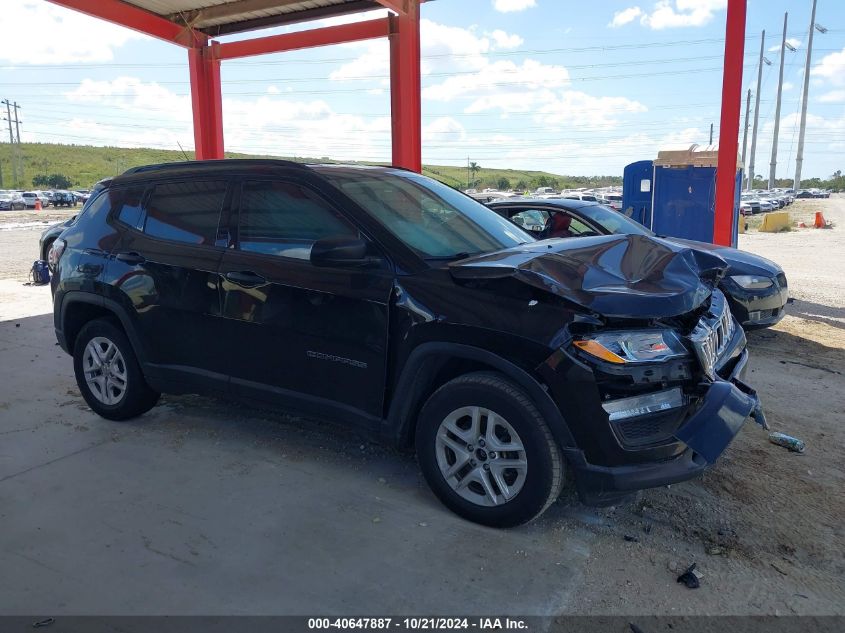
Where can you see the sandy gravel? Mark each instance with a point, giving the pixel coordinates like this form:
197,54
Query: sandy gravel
765,526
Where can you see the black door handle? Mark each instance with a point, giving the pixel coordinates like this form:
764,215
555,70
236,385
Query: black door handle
245,278
130,258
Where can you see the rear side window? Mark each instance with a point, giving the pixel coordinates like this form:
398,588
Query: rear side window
285,219
187,211
130,209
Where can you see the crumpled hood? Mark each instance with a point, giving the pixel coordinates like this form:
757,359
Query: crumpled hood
627,276
739,262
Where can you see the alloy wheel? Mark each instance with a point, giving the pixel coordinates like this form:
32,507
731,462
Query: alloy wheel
105,370
481,456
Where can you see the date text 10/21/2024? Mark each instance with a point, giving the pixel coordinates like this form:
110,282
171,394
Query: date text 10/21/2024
418,623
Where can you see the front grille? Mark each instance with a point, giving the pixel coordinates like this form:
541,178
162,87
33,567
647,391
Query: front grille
648,429
713,334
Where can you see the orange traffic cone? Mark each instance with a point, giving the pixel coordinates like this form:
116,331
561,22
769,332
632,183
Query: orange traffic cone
37,204
820,222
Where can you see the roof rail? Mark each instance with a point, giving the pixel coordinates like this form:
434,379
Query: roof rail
187,164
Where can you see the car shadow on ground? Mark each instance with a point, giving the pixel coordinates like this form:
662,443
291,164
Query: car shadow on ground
817,312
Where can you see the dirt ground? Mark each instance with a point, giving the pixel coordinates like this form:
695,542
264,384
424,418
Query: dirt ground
764,525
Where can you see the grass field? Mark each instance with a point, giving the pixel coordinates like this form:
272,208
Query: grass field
84,165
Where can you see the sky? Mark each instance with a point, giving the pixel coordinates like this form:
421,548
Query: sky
570,87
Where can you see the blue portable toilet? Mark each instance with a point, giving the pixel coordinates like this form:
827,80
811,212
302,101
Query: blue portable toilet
683,193
636,191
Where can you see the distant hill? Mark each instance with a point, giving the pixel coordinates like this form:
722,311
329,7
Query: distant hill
85,164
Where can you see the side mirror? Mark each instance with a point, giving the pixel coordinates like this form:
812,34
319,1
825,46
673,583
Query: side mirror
340,251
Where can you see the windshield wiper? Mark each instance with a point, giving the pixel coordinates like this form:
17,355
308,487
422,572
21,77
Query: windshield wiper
456,256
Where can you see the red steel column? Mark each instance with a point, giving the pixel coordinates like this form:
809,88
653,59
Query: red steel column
405,88
206,102
729,123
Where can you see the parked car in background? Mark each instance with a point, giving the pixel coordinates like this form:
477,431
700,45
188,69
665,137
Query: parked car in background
11,201
29,197
574,195
543,192
82,195
46,200
64,199
756,287
388,300
49,235
613,200
751,203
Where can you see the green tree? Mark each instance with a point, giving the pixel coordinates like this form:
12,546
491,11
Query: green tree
53,181
474,168
503,184
521,185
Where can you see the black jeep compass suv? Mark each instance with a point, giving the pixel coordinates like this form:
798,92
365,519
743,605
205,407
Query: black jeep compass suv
388,300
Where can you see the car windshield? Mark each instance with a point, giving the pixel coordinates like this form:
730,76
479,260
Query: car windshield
613,221
430,217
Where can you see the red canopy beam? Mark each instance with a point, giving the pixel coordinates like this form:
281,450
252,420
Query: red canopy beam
132,17
405,110
342,34
206,102
723,227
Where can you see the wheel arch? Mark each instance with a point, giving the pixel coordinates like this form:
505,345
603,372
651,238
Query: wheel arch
431,365
79,308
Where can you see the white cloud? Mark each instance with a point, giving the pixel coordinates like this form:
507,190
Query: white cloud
831,68
835,96
43,33
146,114
620,18
444,49
443,130
788,85
502,40
681,13
497,80
508,6
792,41
579,109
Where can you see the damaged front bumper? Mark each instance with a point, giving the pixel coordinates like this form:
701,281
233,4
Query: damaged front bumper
726,406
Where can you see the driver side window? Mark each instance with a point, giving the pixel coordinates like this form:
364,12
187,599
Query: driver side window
577,227
285,219
533,220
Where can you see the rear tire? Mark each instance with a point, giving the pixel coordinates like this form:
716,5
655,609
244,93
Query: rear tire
108,373
45,254
486,451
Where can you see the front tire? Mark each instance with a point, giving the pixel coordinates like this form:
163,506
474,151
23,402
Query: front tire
108,373
486,451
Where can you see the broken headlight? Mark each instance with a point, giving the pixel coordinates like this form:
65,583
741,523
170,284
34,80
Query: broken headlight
752,282
637,346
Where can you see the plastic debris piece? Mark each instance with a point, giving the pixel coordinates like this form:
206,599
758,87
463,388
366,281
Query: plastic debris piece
787,441
44,622
631,538
689,578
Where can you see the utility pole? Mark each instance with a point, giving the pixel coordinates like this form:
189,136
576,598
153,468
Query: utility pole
711,134
745,133
799,158
17,122
12,151
756,112
468,185
773,165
